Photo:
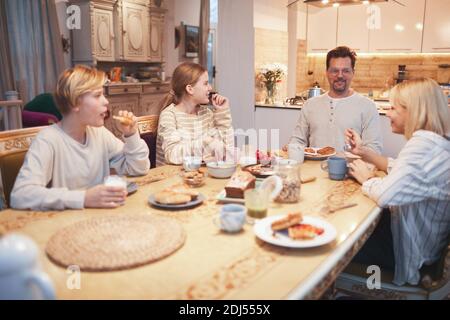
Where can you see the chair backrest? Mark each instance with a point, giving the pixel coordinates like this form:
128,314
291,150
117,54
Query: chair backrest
14,145
148,126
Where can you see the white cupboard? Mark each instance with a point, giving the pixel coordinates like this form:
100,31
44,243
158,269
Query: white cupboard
352,28
436,37
400,27
321,29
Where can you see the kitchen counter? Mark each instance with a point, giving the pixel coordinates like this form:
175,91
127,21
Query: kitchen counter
382,106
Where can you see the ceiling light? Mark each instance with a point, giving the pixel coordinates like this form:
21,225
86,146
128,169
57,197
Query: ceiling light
398,27
324,1
366,2
335,4
419,26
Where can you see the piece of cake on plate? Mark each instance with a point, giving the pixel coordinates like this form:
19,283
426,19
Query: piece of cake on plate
239,182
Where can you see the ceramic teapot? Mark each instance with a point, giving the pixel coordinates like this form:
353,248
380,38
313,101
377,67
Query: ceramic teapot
20,275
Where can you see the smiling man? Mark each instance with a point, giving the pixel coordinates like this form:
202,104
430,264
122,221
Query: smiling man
323,119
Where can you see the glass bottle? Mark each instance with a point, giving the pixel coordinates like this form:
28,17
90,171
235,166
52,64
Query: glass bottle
289,172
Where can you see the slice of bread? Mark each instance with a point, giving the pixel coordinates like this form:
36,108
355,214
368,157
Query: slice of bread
290,220
168,197
184,189
304,232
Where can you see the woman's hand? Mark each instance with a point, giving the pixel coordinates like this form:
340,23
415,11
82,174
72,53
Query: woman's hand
127,123
220,102
353,139
360,171
102,196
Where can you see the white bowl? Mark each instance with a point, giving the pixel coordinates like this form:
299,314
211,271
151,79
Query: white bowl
221,170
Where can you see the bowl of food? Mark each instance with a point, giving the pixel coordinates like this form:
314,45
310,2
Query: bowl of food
194,178
221,169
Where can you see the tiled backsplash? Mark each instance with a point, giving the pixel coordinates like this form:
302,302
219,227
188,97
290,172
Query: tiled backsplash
373,72
270,46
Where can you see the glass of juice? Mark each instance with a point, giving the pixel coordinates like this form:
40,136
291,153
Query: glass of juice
256,202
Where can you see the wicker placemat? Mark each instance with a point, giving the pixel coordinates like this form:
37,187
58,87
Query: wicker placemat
115,243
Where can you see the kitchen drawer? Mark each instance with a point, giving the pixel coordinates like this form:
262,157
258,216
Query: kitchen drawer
156,88
123,89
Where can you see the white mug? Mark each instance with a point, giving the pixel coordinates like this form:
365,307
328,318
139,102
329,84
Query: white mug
21,277
231,217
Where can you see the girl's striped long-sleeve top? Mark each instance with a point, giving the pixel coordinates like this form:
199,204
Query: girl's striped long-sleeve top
203,134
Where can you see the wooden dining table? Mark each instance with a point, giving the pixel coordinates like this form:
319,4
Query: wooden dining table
213,264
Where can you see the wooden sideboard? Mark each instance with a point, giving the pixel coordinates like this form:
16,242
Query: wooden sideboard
142,99
118,30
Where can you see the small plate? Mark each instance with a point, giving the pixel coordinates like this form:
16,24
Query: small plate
187,205
132,187
263,230
265,172
222,196
316,156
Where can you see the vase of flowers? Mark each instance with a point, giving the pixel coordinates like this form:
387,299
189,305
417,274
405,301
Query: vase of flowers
271,75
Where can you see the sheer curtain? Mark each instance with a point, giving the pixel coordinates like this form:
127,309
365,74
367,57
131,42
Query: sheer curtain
204,32
6,75
35,44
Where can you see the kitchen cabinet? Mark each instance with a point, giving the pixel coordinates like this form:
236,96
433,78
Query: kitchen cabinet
141,98
321,29
400,28
156,35
352,30
150,104
151,99
279,123
436,37
95,40
118,30
129,102
134,27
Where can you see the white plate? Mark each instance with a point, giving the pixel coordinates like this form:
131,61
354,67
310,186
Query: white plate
263,230
222,196
187,205
316,156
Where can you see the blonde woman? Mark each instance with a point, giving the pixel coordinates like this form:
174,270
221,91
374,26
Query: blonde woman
67,162
417,185
187,127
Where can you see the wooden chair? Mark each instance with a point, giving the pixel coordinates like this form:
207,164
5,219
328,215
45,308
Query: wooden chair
434,283
148,126
14,145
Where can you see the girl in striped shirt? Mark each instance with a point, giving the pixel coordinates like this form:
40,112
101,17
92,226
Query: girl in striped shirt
417,186
187,126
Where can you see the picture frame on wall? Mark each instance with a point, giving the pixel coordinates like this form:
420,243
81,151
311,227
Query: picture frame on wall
191,41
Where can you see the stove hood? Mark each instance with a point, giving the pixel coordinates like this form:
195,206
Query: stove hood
323,4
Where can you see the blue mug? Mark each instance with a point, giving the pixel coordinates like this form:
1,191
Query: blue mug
231,217
336,167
